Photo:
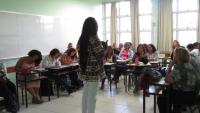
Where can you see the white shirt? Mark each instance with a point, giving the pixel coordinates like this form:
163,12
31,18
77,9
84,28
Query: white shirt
195,52
152,56
48,61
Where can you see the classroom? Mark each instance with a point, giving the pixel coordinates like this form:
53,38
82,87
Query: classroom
99,56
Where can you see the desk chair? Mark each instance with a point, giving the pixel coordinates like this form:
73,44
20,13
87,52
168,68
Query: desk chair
25,81
190,103
109,70
1,103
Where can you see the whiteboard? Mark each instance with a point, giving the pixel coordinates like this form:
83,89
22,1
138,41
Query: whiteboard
20,33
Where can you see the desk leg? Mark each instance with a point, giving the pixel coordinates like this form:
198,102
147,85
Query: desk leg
129,82
110,81
167,105
58,85
49,88
155,103
144,102
125,82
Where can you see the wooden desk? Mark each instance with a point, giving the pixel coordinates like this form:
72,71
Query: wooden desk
153,91
63,69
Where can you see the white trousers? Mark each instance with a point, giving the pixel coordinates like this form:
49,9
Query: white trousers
89,97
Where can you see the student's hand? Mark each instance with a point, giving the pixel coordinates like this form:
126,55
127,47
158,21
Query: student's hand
57,64
172,63
4,77
168,78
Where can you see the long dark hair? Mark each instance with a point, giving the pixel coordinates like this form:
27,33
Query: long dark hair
89,29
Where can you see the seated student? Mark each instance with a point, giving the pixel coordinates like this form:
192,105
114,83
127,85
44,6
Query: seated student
183,80
109,57
49,61
70,57
23,68
8,91
190,47
125,54
195,50
139,57
52,59
151,53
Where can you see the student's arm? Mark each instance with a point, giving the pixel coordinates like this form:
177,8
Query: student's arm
25,65
45,62
130,54
172,63
173,76
58,63
121,54
168,78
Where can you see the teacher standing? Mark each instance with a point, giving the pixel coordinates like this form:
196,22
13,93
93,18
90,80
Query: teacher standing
91,55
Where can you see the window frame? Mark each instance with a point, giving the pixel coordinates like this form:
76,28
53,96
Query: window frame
176,12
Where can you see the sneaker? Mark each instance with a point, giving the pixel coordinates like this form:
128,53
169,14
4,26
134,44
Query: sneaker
69,91
102,87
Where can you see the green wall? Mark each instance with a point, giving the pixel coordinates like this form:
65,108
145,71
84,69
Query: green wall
43,7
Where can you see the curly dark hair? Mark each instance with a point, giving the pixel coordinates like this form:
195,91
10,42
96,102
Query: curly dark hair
69,51
153,47
33,53
140,45
54,51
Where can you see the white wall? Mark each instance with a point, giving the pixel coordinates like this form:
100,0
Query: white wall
20,33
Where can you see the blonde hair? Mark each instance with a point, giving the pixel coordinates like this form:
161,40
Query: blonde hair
182,55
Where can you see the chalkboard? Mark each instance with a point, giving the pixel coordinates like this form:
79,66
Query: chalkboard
19,33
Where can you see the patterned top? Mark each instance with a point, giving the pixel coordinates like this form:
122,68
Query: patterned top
185,76
94,67
152,56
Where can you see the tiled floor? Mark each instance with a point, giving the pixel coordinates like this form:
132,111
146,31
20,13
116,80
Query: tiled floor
116,101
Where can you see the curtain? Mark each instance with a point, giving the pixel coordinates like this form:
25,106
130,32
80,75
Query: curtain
113,23
165,25
135,33
198,32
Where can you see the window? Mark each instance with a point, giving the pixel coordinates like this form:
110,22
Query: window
123,22
107,18
185,21
145,14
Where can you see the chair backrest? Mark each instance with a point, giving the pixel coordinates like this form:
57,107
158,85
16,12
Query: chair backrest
187,98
